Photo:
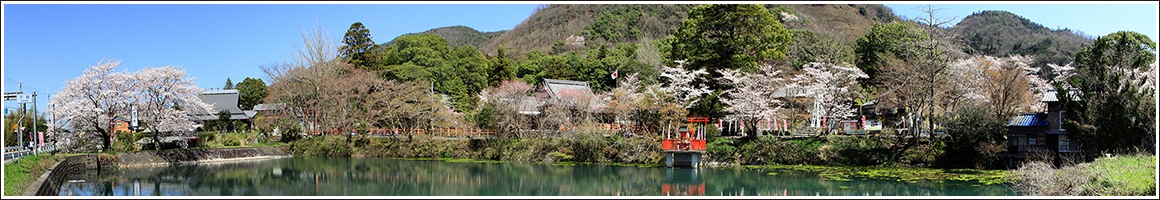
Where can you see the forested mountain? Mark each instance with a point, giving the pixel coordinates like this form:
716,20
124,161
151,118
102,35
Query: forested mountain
848,21
1001,33
556,29
598,23
561,26
459,36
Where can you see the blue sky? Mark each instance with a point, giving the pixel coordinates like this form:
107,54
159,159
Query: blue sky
46,45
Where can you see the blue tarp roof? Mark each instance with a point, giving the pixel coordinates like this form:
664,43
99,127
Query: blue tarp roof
1029,119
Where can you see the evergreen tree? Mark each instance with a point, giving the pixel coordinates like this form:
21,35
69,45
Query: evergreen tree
1116,108
251,91
501,68
359,49
229,84
727,36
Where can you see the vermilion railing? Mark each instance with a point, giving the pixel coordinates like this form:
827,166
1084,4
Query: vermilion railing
446,132
602,126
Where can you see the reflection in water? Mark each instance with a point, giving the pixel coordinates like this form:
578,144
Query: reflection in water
683,182
390,177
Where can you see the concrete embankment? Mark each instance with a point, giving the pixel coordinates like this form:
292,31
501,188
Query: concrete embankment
49,183
194,156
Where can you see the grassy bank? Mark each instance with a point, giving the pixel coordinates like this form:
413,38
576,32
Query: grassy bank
1127,175
18,175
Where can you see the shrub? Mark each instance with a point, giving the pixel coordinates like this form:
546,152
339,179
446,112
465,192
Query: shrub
292,133
711,133
208,136
125,141
1039,179
974,139
721,150
588,147
231,141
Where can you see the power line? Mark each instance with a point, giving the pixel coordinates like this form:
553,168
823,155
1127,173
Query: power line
33,89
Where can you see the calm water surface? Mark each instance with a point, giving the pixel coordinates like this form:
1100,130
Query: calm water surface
393,177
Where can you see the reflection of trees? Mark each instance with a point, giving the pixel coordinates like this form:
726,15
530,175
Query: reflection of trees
390,177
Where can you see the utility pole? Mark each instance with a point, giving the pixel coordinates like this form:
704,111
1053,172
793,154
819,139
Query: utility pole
19,135
34,131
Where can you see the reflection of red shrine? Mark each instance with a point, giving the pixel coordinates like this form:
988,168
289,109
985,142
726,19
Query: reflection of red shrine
668,189
687,145
683,182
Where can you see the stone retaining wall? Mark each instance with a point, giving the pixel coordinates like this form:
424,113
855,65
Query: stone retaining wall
49,183
194,156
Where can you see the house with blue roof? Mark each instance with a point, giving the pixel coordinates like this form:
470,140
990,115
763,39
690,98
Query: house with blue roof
1040,134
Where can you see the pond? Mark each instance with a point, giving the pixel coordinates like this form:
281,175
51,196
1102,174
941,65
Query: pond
400,177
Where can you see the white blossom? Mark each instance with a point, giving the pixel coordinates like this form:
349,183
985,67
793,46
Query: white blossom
681,84
971,77
755,95
830,86
89,103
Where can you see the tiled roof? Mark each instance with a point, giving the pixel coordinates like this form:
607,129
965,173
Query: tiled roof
567,91
1029,119
220,100
264,107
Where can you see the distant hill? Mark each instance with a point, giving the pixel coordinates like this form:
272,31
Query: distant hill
1001,33
614,23
458,36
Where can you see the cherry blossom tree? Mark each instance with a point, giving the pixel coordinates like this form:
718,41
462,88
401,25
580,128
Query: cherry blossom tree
159,92
681,83
1006,85
505,100
830,86
757,96
622,101
92,101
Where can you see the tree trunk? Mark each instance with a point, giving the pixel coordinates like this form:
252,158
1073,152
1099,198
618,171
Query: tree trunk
156,141
105,137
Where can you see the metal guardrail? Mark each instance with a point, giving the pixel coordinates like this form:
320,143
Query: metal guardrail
13,153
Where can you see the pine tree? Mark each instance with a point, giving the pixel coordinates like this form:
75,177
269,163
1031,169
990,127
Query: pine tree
229,84
358,47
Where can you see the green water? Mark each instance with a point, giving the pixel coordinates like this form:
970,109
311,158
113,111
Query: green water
394,177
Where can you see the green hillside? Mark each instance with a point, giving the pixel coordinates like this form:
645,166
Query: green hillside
598,23
458,36
1001,33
